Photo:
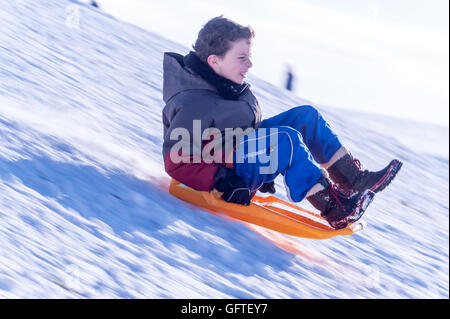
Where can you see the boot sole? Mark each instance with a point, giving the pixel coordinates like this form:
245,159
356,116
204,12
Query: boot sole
363,203
394,168
366,198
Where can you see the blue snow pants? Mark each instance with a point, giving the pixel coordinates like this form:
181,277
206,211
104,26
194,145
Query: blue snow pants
292,144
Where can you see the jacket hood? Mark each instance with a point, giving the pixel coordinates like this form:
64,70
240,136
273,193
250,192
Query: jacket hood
178,78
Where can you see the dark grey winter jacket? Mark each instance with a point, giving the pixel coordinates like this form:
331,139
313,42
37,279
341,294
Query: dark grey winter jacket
192,106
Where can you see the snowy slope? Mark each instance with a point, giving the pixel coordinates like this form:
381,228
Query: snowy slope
83,207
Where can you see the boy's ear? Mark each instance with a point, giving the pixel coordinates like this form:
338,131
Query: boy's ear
212,60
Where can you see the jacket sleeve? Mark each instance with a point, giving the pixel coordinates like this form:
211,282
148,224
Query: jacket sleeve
182,147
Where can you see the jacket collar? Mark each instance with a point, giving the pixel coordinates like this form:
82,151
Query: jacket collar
226,88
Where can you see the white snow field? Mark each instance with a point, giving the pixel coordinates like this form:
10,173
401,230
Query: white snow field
84,211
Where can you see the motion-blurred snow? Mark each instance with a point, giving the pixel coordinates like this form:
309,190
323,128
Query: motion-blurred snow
83,206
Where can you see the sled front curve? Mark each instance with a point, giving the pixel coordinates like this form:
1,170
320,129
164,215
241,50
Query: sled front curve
269,212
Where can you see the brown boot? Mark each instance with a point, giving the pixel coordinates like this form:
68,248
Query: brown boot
337,207
348,174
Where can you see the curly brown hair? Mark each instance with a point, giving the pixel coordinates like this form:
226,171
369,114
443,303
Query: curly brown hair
216,36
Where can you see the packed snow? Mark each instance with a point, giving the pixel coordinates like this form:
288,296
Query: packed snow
84,207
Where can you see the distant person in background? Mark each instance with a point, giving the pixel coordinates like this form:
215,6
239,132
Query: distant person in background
94,4
206,95
289,79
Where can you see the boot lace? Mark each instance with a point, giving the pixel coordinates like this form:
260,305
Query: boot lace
338,193
357,163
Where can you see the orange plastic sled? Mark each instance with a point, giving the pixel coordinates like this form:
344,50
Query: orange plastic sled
269,212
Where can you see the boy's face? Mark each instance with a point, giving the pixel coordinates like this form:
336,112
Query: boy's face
235,64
